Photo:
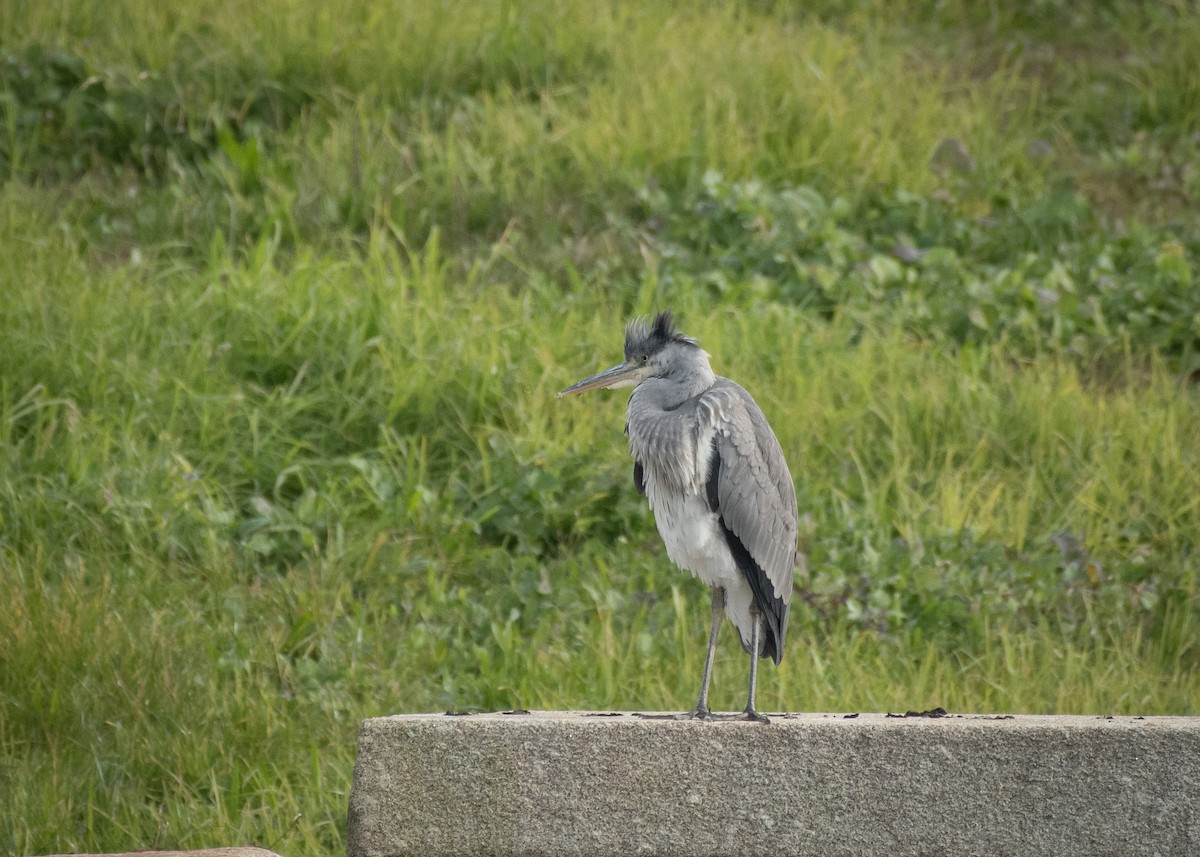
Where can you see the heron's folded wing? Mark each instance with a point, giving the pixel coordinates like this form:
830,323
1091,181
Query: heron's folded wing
755,497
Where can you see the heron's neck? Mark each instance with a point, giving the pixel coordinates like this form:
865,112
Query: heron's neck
669,393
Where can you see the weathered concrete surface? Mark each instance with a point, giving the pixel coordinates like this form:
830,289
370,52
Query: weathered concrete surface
239,851
573,784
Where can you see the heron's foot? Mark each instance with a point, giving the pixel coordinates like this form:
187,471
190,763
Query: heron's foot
749,715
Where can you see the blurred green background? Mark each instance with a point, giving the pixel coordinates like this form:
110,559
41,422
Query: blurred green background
287,287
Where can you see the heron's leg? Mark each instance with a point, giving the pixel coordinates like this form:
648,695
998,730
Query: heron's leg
701,712
755,641
755,637
718,615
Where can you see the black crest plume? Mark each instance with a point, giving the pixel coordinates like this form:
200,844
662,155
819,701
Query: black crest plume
648,339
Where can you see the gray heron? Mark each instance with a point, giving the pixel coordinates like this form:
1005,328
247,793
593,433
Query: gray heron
717,483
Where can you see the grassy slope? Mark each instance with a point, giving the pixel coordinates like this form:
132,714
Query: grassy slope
283,318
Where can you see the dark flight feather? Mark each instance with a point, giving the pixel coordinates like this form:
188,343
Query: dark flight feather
713,482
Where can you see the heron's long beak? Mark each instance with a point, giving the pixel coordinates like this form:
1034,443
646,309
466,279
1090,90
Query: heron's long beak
623,375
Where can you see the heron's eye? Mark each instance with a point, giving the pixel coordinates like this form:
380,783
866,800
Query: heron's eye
645,358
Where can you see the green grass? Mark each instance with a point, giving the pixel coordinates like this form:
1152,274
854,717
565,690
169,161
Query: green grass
287,291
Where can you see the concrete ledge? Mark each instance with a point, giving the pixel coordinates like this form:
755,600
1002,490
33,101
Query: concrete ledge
578,784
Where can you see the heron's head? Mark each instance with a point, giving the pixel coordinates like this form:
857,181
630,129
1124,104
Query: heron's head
654,350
